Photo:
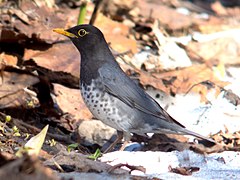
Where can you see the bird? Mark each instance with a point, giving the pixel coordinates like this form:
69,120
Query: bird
112,96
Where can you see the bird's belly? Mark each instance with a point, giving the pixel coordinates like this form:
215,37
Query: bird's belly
104,107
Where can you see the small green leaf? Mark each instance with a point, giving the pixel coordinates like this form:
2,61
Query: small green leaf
72,147
96,155
8,118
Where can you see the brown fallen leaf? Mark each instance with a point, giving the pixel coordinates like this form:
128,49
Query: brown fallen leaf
8,59
118,10
41,22
232,97
20,14
59,57
184,80
166,15
227,139
13,92
70,101
219,9
17,99
184,170
224,48
116,33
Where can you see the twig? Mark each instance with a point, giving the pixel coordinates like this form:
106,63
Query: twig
95,11
131,167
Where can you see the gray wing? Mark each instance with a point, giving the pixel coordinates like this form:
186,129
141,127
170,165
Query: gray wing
118,84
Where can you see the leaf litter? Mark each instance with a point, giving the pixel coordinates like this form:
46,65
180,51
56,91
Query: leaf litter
39,79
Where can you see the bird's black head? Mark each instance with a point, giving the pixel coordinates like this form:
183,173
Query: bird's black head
84,36
92,46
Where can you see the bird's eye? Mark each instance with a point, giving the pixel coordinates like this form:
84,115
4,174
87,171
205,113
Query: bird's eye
82,32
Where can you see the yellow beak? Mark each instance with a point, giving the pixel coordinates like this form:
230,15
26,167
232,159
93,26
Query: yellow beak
65,33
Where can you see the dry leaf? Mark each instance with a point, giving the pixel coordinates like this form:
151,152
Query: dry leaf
34,145
59,57
190,79
184,170
12,89
70,100
116,33
8,59
223,49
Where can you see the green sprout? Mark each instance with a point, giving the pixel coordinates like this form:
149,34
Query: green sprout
72,147
96,155
16,131
82,12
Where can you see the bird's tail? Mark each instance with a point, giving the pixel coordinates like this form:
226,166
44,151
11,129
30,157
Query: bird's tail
188,132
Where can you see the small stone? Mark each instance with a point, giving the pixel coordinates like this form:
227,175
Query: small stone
94,131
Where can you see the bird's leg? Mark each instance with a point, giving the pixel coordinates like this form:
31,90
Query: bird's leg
127,138
117,140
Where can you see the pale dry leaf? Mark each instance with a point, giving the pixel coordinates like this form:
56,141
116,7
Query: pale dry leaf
34,145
